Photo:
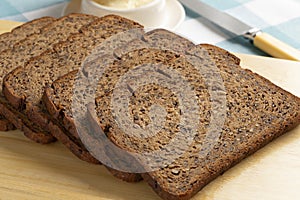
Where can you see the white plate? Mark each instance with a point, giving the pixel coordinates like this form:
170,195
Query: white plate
174,13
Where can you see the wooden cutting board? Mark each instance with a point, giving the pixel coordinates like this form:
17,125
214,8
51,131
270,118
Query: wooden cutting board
33,171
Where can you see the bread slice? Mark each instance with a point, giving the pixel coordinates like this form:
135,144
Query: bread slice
33,45
255,112
7,40
58,97
29,82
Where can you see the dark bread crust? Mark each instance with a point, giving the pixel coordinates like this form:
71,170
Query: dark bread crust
257,113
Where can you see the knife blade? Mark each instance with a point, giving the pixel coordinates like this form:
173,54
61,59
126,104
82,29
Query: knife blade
263,41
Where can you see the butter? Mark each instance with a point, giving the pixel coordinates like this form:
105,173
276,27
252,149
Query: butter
123,4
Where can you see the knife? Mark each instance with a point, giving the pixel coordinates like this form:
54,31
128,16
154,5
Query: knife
263,41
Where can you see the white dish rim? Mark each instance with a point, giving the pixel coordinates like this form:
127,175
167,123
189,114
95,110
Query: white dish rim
172,6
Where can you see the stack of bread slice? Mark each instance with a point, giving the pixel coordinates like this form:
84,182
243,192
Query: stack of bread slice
7,41
223,113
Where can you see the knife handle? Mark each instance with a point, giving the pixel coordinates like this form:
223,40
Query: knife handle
275,47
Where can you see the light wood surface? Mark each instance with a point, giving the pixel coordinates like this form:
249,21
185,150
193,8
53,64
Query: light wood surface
6,25
33,171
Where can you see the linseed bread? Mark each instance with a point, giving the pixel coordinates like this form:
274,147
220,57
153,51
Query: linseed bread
7,40
33,45
58,97
255,112
29,82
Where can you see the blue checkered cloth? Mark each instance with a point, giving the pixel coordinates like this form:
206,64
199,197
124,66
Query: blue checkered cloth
280,18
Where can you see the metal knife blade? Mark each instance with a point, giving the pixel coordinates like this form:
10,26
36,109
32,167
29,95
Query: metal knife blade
261,40
220,18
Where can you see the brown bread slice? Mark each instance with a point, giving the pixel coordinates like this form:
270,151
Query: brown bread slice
7,40
256,112
58,97
34,45
64,58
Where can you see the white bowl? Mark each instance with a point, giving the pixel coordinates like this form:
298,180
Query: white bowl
149,14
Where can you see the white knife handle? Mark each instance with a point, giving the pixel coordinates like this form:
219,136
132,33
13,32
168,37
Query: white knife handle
275,47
